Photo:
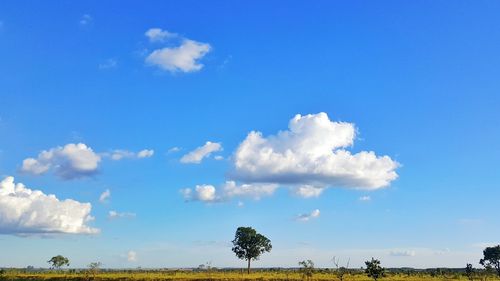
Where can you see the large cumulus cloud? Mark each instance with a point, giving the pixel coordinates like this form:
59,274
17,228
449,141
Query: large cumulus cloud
24,211
312,153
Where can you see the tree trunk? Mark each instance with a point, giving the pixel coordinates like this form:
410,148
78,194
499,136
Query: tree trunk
248,270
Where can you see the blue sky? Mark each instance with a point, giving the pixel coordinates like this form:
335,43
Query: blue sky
108,101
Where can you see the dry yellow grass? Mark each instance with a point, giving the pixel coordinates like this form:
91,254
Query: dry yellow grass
220,276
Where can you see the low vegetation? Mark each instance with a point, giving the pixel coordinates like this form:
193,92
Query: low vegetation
275,274
249,245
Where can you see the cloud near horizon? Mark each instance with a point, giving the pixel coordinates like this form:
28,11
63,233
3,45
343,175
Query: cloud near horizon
131,256
24,211
402,253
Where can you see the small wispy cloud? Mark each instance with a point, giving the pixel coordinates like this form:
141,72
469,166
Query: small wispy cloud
470,221
197,155
209,194
108,64
159,35
308,191
365,198
104,198
117,215
402,253
307,217
86,20
225,62
145,153
483,245
131,256
120,154
174,149
442,251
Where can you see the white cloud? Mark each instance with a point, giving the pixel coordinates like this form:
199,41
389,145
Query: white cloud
365,198
218,157
308,191
109,63
174,149
484,245
105,196
442,251
254,191
120,154
204,192
309,157
197,155
75,160
24,211
208,193
184,58
117,215
145,153
68,162
85,20
311,152
158,34
402,253
131,256
307,217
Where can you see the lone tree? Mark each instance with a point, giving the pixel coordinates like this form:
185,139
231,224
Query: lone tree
307,269
249,245
93,269
491,258
58,261
341,270
373,269
469,271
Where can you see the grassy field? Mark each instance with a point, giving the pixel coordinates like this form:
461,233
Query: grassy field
282,275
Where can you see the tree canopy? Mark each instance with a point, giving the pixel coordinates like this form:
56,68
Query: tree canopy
249,245
58,261
373,269
491,258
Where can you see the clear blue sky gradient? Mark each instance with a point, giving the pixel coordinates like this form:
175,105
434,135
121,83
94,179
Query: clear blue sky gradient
419,79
